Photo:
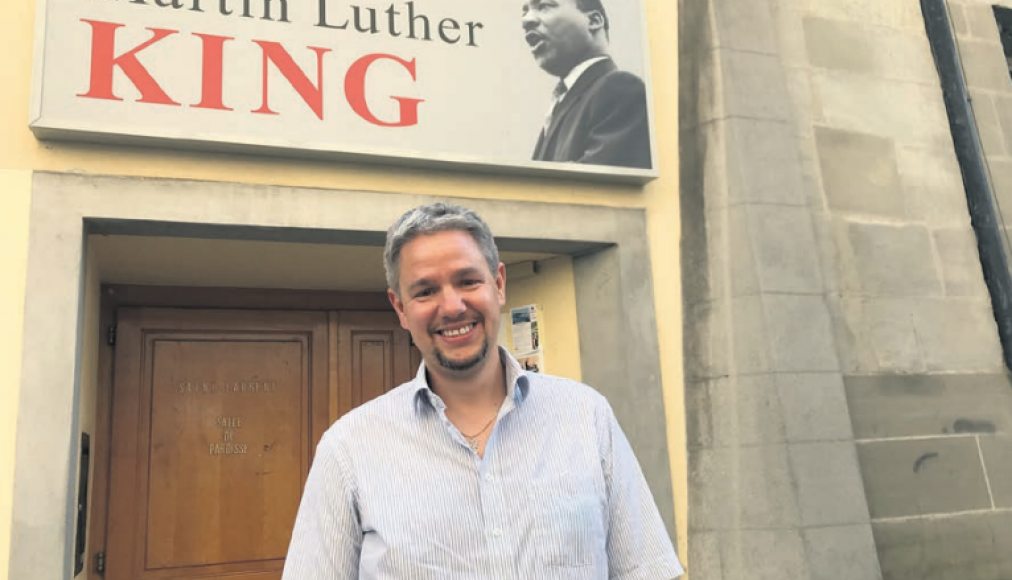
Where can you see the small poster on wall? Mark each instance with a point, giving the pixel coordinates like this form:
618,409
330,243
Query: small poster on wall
526,337
525,329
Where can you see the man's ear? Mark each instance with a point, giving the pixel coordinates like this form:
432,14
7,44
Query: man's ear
595,20
398,307
500,283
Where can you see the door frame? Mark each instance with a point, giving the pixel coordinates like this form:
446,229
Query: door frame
614,293
115,296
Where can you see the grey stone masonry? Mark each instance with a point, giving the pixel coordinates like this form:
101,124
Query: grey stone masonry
879,249
1003,107
774,484
929,398
859,172
932,187
957,14
848,408
834,548
833,44
884,406
754,148
960,277
937,475
980,21
830,492
984,65
968,546
996,453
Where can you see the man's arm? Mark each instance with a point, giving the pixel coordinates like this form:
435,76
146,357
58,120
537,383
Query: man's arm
327,539
638,544
619,131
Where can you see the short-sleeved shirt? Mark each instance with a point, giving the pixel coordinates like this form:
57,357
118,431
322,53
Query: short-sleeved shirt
395,491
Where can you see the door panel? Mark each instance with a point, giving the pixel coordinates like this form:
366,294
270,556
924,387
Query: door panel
213,430
374,355
215,417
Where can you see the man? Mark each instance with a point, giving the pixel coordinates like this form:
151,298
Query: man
475,469
598,113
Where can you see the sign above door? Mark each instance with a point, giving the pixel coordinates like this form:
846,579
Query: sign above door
451,83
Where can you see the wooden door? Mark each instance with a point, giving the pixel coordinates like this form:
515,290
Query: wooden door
215,417
374,354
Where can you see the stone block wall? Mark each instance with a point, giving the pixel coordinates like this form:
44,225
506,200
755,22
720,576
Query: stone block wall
775,486
850,415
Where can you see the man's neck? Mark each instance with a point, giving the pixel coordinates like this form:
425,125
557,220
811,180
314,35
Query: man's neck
484,389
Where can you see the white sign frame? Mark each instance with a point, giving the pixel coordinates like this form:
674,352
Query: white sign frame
52,118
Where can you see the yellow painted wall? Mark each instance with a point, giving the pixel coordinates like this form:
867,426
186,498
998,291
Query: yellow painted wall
20,153
551,290
661,199
15,195
14,199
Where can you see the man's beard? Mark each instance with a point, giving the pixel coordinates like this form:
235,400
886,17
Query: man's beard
464,365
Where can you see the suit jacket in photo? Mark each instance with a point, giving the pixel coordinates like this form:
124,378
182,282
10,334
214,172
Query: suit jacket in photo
602,120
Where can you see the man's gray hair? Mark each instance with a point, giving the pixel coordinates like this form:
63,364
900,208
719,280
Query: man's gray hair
430,219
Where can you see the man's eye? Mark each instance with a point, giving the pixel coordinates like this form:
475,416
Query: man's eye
424,292
471,282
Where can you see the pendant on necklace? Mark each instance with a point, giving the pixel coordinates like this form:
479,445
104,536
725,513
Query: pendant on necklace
473,443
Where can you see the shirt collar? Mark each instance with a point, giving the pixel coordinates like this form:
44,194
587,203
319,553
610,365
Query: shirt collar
578,70
517,385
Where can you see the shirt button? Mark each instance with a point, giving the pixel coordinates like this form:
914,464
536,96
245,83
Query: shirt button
497,533
488,477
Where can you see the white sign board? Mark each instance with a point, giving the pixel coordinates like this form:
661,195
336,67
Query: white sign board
464,83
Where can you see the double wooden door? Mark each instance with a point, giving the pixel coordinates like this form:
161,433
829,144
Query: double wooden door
215,418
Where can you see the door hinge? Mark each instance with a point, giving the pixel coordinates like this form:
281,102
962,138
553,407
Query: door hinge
110,335
100,562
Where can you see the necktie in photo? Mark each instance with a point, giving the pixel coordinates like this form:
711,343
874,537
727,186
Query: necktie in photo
558,94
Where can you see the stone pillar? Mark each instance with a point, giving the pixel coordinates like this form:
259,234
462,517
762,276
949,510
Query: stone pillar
775,487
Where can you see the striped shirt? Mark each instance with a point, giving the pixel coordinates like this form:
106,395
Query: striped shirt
396,492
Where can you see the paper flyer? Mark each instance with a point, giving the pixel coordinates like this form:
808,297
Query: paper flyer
526,337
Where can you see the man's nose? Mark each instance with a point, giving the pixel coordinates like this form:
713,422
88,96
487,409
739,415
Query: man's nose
529,20
452,303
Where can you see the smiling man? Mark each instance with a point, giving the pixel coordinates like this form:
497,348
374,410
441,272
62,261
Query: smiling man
475,469
598,114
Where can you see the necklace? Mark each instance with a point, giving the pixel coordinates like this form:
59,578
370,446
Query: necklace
473,441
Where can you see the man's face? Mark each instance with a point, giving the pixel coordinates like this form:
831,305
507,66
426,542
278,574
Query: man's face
559,34
449,301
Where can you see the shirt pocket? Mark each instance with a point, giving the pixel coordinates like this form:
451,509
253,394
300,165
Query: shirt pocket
568,523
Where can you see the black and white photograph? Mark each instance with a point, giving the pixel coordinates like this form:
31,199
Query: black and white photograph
598,112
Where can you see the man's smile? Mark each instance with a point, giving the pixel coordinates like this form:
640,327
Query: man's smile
460,346
457,331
